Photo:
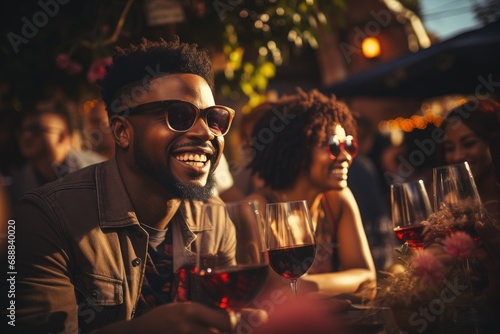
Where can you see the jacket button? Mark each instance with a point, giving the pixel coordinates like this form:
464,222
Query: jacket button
95,293
136,262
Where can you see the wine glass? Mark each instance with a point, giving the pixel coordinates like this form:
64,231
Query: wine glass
291,244
410,206
456,196
231,262
455,192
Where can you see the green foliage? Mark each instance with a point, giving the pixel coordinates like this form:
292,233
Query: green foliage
255,36
260,36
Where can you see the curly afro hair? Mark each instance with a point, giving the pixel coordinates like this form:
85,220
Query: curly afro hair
133,68
282,152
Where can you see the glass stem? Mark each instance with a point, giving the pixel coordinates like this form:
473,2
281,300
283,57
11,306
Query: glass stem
471,311
293,284
467,272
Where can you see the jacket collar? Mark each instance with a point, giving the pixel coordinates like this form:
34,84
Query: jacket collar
114,206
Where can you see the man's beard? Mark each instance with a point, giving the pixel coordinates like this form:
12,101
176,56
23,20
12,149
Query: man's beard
194,192
169,182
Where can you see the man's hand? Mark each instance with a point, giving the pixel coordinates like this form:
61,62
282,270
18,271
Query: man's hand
178,318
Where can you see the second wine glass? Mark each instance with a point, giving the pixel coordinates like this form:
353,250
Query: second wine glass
410,206
290,239
455,192
231,262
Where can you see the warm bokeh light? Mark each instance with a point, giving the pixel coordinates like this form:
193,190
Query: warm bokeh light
370,47
410,124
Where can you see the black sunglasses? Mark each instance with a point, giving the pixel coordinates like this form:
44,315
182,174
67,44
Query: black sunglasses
349,144
181,116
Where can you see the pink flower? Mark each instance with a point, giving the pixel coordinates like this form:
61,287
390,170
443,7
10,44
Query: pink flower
62,61
97,69
459,245
74,68
427,266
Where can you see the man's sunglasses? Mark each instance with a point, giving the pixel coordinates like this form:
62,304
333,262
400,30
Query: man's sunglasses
335,145
181,116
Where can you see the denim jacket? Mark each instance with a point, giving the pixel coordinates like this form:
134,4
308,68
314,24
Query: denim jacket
80,251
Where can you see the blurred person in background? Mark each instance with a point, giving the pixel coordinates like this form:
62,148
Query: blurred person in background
96,128
472,134
364,182
469,129
243,178
45,141
224,183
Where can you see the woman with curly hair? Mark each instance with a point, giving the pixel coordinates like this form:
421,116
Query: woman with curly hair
303,146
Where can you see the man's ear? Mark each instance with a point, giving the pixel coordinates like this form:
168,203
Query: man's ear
122,131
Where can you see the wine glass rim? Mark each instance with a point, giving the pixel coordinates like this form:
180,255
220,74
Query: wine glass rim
464,163
288,202
251,201
399,183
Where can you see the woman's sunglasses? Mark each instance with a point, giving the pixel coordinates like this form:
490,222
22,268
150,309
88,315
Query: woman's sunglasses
335,145
181,116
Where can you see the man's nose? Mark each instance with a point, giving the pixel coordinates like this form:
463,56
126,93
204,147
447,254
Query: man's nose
201,130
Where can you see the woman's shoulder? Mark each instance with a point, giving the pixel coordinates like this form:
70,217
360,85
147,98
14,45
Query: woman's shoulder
341,196
340,200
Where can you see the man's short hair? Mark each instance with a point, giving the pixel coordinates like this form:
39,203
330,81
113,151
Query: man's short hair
133,68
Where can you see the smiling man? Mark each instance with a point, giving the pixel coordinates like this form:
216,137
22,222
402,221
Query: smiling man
103,248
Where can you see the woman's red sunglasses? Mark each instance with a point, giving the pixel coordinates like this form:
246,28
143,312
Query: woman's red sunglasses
335,146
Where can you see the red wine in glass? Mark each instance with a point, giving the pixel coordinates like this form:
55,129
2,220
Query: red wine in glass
232,270
233,287
292,262
413,235
290,239
410,206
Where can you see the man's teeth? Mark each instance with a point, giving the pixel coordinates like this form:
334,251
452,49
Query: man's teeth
196,160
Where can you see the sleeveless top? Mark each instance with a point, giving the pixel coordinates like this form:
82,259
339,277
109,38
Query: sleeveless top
326,260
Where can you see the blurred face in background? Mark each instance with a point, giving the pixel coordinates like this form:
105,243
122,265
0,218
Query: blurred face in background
44,137
98,131
462,144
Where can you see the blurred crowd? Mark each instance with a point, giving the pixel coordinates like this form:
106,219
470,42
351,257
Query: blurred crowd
49,137
133,213
52,135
